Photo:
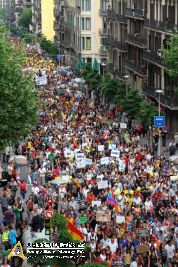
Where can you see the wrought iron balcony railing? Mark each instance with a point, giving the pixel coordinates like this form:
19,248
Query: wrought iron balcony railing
133,13
136,40
135,67
168,101
153,58
162,26
116,44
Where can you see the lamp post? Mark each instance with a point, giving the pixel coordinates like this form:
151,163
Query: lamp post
159,92
103,65
126,78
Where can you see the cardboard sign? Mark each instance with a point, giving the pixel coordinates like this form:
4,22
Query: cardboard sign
100,148
83,219
142,249
80,156
103,216
112,146
81,165
68,154
123,125
120,219
104,160
96,202
103,185
88,161
115,153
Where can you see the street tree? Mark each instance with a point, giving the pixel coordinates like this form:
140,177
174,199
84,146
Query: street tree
146,113
18,101
25,18
48,46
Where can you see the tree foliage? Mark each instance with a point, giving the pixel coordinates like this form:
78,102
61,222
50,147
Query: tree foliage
18,101
25,18
92,77
146,113
170,54
48,46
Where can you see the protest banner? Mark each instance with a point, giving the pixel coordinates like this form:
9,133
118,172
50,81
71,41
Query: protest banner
104,160
80,156
142,233
83,219
100,148
80,164
88,161
68,154
112,146
103,185
41,80
115,153
120,219
103,216
123,125
142,249
96,202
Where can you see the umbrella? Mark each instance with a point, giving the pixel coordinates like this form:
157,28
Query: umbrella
19,160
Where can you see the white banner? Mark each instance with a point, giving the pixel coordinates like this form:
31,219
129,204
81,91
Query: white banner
115,153
96,202
100,148
42,80
80,156
112,146
88,161
123,125
103,185
68,154
104,160
81,164
120,219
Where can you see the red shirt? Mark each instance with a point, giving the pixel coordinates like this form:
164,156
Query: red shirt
23,186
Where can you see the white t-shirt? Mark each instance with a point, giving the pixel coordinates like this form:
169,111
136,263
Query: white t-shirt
170,250
113,246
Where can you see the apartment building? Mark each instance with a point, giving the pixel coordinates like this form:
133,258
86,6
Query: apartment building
36,16
138,29
80,29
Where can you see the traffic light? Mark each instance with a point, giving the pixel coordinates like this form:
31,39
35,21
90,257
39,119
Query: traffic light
47,226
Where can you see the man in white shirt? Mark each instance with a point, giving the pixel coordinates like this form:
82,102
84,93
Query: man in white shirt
170,250
113,245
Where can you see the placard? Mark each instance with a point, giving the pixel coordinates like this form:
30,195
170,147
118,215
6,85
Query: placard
68,154
80,156
103,185
120,219
115,153
143,233
88,161
104,160
142,249
81,164
103,216
65,178
83,219
112,146
96,202
100,148
123,125
41,80
173,178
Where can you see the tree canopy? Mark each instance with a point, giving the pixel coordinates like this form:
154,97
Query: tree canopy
18,101
49,47
25,18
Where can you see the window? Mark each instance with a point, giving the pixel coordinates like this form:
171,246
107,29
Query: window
83,4
88,43
88,5
88,23
82,24
83,43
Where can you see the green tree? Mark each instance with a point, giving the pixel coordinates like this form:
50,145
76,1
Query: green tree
170,54
48,46
146,113
131,104
92,77
2,13
25,18
94,264
18,101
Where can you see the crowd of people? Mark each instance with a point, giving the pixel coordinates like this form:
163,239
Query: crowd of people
81,140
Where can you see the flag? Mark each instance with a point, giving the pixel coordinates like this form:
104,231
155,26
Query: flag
111,200
76,234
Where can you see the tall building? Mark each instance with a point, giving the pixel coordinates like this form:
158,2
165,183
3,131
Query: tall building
36,16
47,19
138,29
80,28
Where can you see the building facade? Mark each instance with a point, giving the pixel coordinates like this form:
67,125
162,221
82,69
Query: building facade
80,29
36,16
138,29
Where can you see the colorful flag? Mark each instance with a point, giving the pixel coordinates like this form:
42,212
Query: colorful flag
111,200
76,234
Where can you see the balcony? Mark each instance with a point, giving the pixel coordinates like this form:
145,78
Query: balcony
136,41
103,32
113,70
103,51
56,26
136,14
167,101
121,18
111,15
58,13
116,44
103,13
140,70
161,26
153,58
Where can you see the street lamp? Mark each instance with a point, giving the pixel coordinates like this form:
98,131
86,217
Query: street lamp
126,77
103,65
159,92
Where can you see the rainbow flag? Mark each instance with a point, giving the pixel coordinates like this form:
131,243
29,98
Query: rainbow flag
111,200
76,234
